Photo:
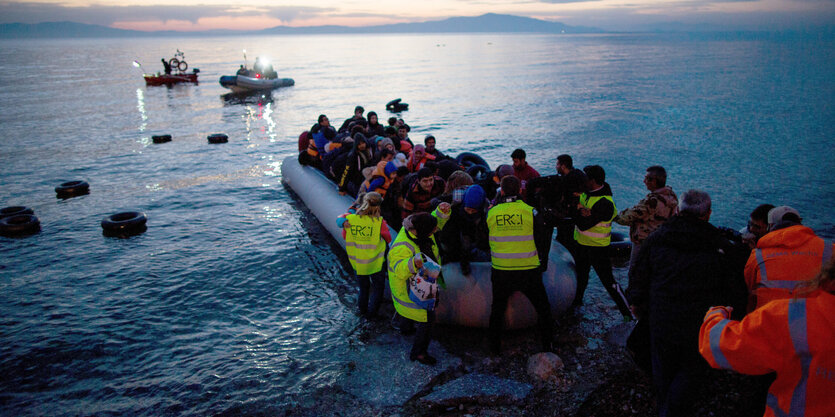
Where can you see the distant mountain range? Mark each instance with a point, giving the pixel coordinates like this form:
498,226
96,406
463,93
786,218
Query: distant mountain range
489,22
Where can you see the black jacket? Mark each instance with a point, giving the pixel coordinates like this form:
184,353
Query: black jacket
464,237
684,268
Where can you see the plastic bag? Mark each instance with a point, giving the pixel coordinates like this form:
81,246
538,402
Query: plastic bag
423,286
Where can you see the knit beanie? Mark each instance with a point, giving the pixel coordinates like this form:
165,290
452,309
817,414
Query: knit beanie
423,223
389,168
474,197
503,171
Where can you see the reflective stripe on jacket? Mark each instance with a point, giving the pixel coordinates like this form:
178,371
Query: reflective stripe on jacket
783,260
512,245
365,247
795,338
599,234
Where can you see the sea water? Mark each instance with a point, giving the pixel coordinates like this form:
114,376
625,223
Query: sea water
234,301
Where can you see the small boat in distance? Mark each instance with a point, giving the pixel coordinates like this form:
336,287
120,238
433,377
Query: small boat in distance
168,77
261,77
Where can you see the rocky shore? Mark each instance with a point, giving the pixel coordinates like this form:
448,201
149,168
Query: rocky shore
593,375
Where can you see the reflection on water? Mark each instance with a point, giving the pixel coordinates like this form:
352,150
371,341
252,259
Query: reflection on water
254,97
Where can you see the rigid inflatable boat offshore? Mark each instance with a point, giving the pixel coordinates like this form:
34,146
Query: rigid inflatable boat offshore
467,298
244,84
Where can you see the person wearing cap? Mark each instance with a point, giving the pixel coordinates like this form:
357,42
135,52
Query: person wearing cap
415,241
358,111
593,234
794,338
757,225
521,169
786,257
651,212
429,143
515,237
366,235
420,192
465,237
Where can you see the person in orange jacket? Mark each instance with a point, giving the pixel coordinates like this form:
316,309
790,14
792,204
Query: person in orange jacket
787,256
793,337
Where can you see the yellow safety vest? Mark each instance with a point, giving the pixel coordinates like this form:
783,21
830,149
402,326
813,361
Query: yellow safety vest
366,248
512,245
599,234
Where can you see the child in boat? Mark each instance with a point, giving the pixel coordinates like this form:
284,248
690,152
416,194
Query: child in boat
366,235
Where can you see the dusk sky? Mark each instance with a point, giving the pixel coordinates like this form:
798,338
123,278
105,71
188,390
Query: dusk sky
192,15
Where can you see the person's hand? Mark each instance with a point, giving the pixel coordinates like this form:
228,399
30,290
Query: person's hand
417,261
585,212
725,311
444,207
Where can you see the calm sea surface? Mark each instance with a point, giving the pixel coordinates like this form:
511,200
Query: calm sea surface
233,300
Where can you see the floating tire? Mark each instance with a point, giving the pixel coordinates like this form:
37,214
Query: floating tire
620,247
469,159
126,223
396,106
72,189
19,225
161,138
14,211
218,138
478,172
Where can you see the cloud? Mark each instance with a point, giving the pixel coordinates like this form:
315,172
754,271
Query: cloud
107,15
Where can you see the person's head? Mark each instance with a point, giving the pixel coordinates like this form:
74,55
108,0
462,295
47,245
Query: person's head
357,128
421,225
386,154
390,169
564,164
695,203
418,152
372,118
825,280
402,172
400,122
385,143
595,175
370,204
358,111
782,217
359,142
457,179
655,178
473,199
758,220
429,142
426,179
390,132
502,171
392,121
518,157
402,132
323,120
511,186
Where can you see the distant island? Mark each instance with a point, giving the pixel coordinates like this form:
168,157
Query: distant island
486,23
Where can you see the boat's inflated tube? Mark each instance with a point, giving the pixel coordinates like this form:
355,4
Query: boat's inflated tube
468,159
467,298
19,225
72,189
14,211
127,223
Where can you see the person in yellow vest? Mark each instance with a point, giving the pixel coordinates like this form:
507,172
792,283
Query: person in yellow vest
415,239
366,235
593,233
515,234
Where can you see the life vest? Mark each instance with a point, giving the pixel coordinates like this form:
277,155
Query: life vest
793,337
512,245
312,150
365,247
783,260
599,234
379,172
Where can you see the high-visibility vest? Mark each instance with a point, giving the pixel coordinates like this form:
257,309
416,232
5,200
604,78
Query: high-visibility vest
793,337
512,245
365,247
601,233
400,269
784,260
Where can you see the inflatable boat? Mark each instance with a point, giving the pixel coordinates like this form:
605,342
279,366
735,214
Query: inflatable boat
243,83
467,298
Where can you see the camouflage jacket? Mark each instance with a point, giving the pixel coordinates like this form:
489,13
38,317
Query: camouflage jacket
649,213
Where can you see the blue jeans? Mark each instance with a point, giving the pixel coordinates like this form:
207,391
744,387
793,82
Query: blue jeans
368,305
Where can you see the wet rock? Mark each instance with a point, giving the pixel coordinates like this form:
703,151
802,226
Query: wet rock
544,366
381,374
479,389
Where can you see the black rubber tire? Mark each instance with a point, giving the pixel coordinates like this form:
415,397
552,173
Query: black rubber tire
72,189
390,105
468,159
218,138
161,138
478,173
14,211
126,223
620,247
19,225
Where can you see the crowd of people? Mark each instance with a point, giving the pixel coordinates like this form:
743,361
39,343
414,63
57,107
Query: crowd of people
759,302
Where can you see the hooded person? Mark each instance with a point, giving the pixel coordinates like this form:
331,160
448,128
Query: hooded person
418,158
465,237
374,126
382,177
358,159
333,162
415,243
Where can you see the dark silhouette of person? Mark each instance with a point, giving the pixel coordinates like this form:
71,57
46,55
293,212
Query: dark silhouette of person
166,65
